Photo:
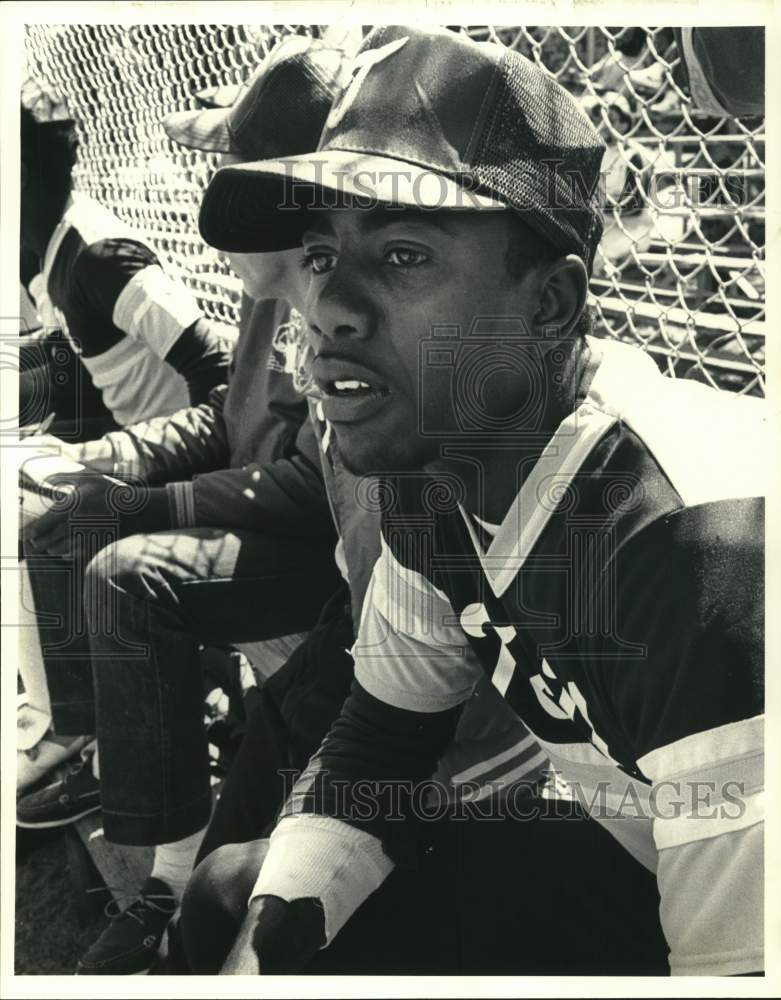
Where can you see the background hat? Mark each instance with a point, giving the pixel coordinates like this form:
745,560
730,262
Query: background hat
281,111
431,119
45,105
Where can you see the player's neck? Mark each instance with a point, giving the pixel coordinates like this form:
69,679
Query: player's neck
490,473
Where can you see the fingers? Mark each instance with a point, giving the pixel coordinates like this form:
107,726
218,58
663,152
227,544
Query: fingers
50,441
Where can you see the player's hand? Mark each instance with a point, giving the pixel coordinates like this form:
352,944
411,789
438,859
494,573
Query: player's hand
96,455
276,937
97,501
50,443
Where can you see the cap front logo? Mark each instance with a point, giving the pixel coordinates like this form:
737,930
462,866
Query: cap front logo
360,68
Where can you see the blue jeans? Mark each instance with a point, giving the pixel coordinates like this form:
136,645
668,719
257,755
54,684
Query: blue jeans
128,667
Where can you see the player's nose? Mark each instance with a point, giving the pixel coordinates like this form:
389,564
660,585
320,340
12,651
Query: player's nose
341,307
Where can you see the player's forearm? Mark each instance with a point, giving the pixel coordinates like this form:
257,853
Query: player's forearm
202,358
190,441
286,496
97,454
367,769
350,816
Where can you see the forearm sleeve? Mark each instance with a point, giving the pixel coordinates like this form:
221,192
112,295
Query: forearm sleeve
188,442
371,770
286,495
351,815
202,357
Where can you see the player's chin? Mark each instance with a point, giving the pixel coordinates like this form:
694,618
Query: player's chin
361,458
369,453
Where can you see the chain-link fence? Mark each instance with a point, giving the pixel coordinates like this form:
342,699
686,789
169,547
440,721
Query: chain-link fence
681,268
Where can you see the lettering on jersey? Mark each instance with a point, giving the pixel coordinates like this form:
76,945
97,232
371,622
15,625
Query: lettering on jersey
472,619
545,695
565,701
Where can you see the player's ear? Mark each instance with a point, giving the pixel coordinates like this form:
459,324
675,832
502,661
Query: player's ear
562,295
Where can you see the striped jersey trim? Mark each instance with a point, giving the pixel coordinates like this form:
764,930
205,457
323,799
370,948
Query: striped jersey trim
155,309
533,765
520,530
734,740
690,828
481,769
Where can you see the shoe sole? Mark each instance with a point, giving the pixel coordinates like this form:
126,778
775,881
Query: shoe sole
49,824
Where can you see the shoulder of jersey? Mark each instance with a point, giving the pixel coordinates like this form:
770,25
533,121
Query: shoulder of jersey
94,223
712,445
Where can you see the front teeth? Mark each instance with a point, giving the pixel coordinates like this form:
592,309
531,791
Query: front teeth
350,385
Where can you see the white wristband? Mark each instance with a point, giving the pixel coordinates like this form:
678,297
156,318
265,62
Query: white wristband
315,856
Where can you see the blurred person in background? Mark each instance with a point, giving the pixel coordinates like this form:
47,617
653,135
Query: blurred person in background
626,170
120,341
227,538
139,334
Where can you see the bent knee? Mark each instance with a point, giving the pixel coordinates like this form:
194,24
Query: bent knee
225,878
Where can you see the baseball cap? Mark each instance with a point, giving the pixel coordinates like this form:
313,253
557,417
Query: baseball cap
281,110
45,106
431,119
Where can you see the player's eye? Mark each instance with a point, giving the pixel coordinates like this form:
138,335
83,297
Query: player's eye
405,257
319,261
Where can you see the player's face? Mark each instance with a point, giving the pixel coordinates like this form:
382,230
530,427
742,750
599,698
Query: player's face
267,275
271,275
382,281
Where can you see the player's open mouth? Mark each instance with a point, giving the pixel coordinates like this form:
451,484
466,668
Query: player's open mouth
352,387
350,391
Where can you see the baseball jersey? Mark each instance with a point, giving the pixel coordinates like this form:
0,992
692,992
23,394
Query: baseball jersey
618,610
491,750
120,310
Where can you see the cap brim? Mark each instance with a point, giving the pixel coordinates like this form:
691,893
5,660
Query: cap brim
264,206
205,130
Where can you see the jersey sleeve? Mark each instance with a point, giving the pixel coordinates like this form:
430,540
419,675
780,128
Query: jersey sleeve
121,281
190,441
287,493
689,595
410,651
690,591
707,804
